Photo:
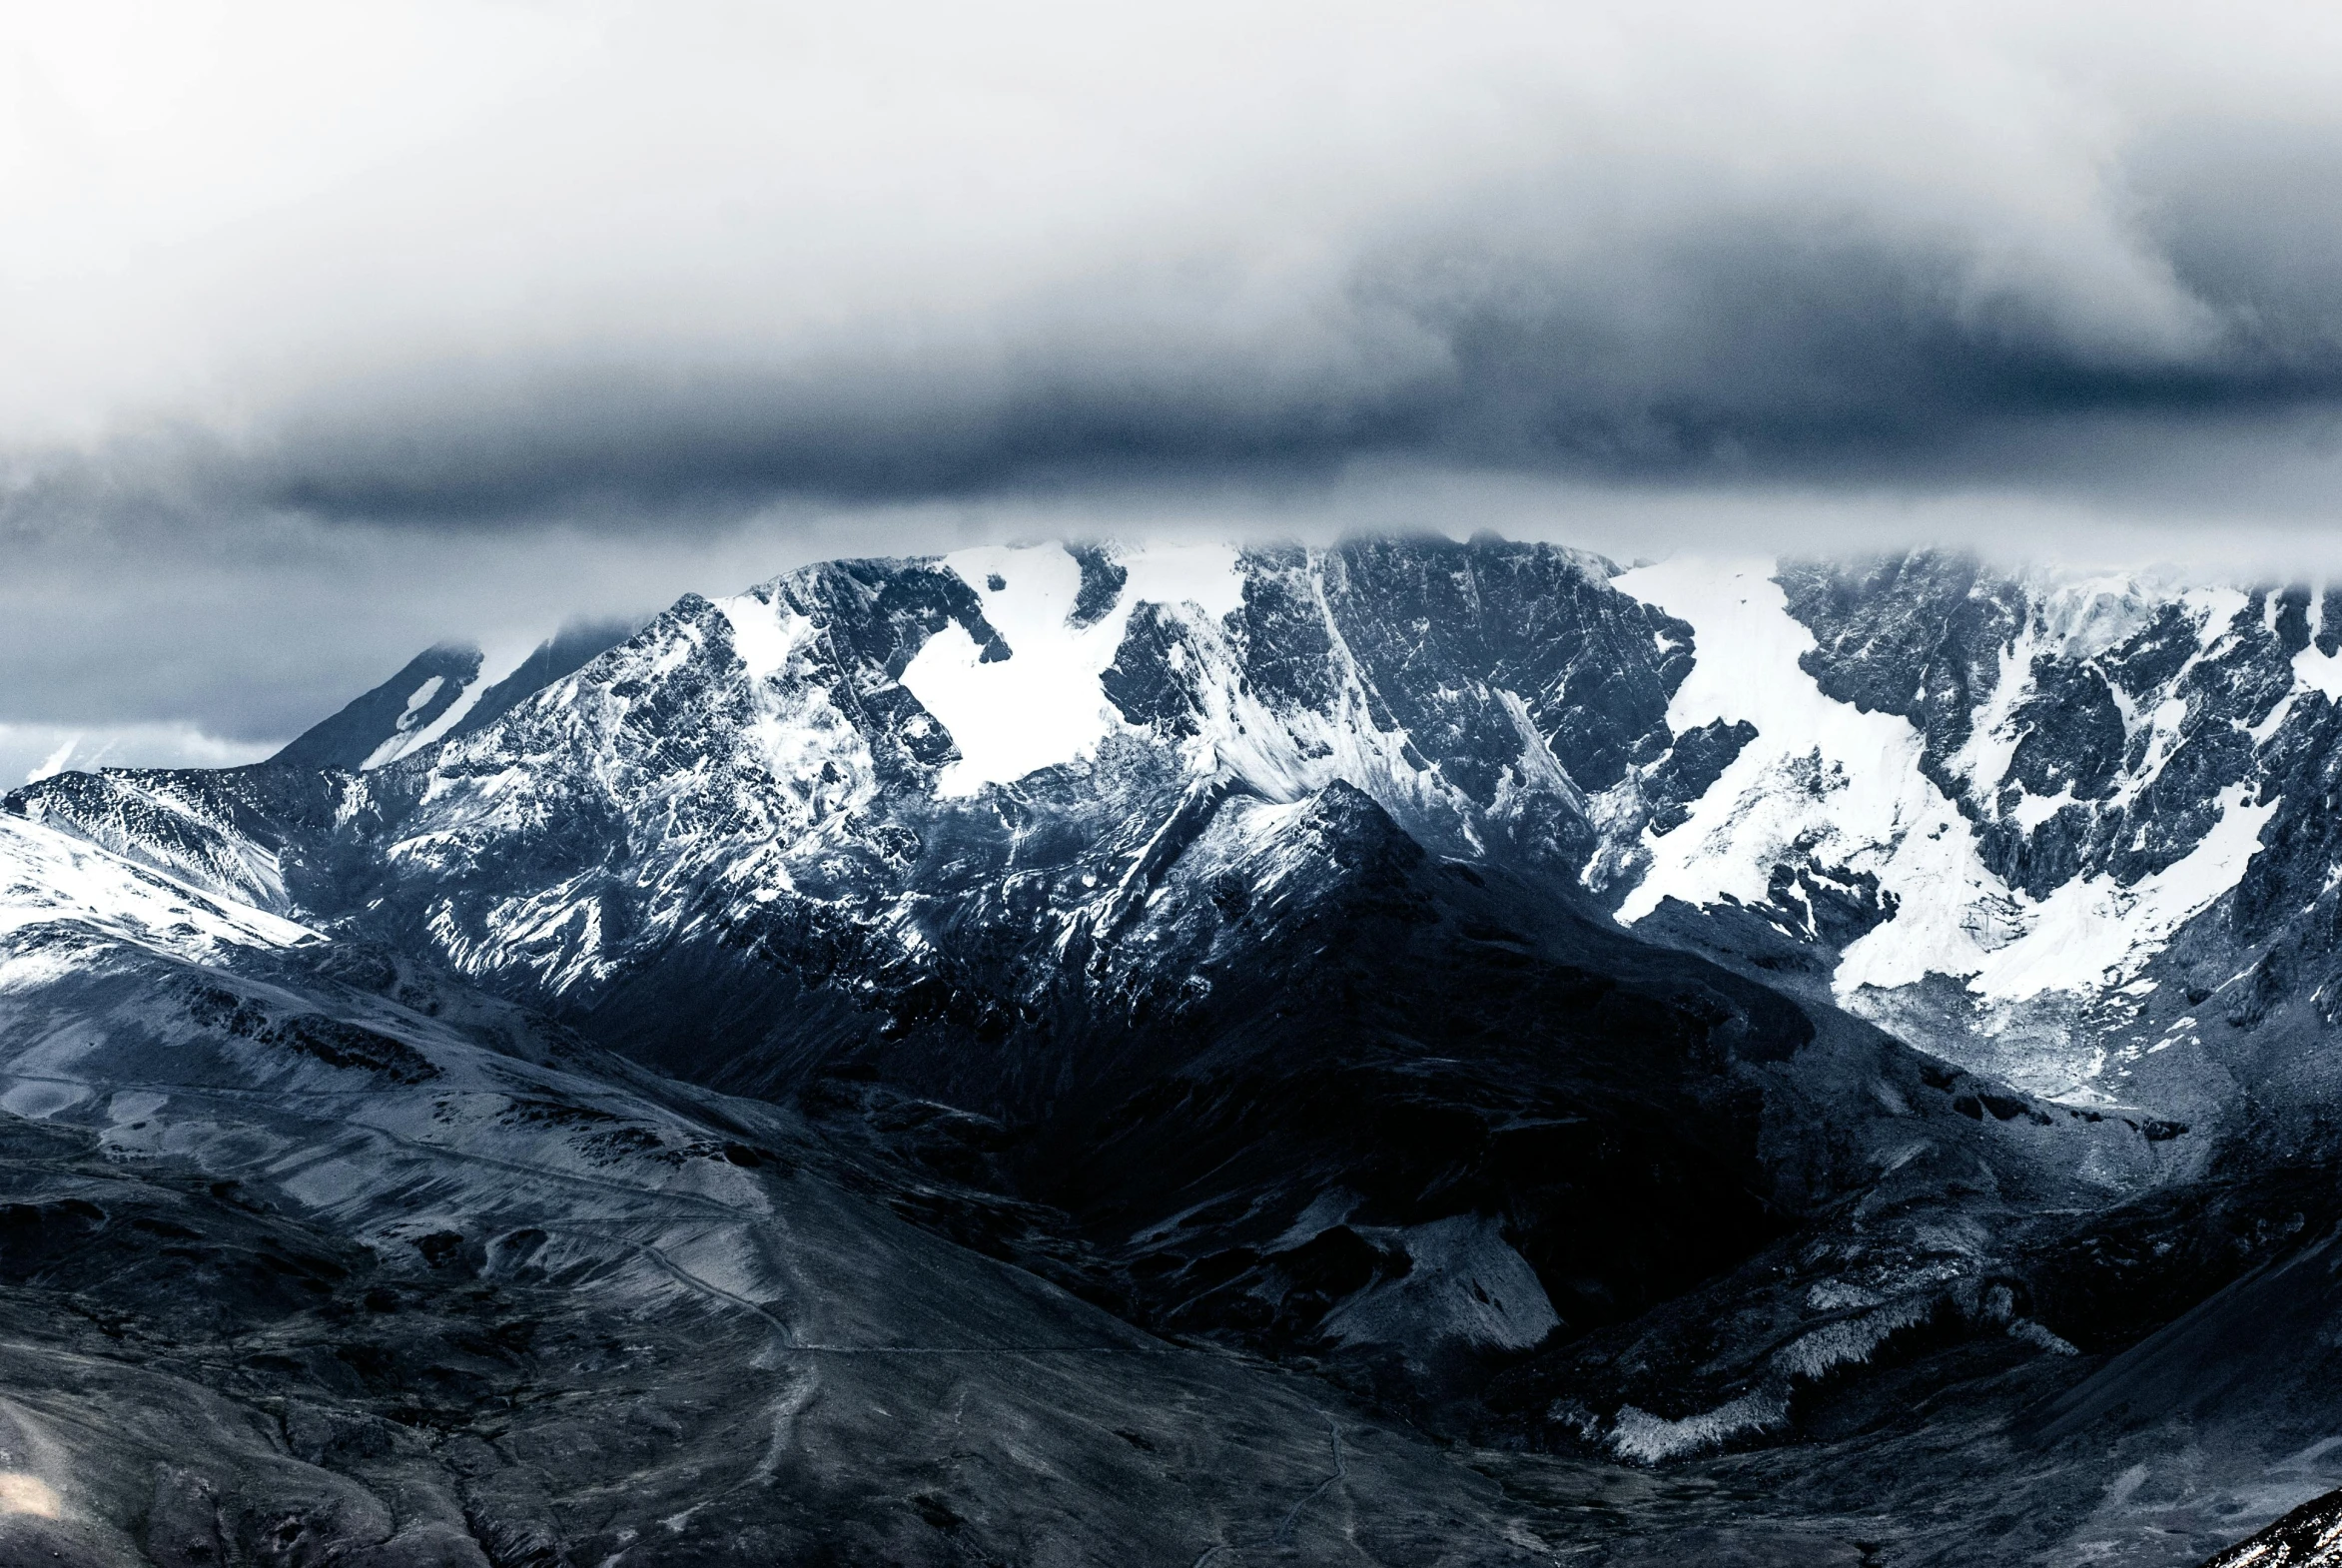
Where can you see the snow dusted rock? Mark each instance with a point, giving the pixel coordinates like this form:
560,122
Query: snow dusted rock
1462,1282
219,832
447,690
1979,808
400,715
726,755
51,880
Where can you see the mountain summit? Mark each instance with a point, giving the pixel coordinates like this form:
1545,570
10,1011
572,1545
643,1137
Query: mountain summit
442,692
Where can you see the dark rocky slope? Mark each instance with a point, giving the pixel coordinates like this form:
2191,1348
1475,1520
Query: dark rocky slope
308,1256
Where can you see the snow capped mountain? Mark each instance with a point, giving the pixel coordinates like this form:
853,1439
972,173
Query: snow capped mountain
830,741
1632,1007
1980,809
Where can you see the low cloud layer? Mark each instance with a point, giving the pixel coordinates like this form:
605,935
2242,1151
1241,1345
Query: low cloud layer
593,293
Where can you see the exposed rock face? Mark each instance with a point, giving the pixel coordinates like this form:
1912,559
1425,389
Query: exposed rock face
1455,969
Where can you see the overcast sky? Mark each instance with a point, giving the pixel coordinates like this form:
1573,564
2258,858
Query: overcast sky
330,330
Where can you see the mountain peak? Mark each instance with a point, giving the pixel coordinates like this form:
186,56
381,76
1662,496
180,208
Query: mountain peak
381,724
449,689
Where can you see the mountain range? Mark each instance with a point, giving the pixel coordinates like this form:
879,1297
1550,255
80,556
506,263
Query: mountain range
1409,1051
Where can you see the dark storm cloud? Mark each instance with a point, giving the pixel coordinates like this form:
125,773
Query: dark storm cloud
1780,344
636,263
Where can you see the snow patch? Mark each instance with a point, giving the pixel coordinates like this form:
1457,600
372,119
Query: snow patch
1994,737
1824,783
496,662
2041,1337
2032,810
764,634
2219,607
2320,672
1850,1340
420,699
1821,781
1043,705
2095,932
1645,1438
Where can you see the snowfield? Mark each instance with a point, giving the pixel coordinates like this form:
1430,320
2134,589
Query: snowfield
1825,781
